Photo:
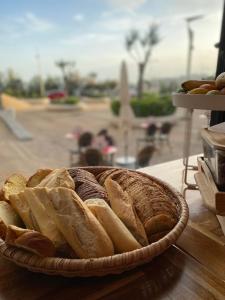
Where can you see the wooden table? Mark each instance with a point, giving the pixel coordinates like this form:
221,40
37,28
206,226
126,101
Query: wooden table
193,269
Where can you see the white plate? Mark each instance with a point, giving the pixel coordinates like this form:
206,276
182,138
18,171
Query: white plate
205,102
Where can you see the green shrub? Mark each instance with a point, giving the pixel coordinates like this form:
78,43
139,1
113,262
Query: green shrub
71,100
149,105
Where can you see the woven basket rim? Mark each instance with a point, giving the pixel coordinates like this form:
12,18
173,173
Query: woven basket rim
103,265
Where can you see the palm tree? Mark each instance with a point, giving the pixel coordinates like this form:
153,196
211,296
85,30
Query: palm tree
63,65
140,48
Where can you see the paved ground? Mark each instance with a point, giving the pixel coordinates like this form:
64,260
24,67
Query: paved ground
49,147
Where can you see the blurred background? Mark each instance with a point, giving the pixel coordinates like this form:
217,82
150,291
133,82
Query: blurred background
66,100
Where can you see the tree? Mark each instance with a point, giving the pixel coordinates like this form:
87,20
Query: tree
33,89
140,48
13,84
52,83
63,66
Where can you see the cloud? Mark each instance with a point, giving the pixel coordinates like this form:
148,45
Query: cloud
92,38
126,4
78,17
33,23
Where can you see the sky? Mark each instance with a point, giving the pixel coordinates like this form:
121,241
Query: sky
92,33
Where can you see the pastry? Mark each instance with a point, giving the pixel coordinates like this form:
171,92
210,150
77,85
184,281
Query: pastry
30,240
79,226
37,177
122,205
193,84
121,237
220,81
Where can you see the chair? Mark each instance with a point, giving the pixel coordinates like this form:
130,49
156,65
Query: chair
149,135
84,141
144,156
90,157
165,132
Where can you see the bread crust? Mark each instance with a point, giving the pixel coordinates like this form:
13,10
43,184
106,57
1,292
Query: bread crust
30,240
79,226
37,177
58,178
121,237
122,205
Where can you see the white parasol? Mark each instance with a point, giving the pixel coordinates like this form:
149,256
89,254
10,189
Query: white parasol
126,113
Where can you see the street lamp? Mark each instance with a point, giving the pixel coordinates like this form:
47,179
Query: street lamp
190,42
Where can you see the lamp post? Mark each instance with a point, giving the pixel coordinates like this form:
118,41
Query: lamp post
41,83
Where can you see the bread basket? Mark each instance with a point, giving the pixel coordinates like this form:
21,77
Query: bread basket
106,265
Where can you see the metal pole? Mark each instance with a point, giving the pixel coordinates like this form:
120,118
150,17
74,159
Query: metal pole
219,116
190,49
42,87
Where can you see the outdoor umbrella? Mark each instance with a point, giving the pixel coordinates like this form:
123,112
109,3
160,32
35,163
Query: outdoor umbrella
126,113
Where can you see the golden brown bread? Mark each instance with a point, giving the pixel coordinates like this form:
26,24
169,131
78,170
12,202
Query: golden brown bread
122,205
193,84
58,178
149,200
34,198
13,185
79,226
20,205
2,197
37,177
8,216
30,240
121,237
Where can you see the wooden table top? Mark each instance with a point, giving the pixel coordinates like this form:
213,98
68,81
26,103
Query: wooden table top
179,273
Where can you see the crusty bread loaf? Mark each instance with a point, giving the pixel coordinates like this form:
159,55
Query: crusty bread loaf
30,240
46,225
37,177
122,205
58,178
80,176
76,222
20,205
89,190
150,200
8,216
121,237
13,185
2,197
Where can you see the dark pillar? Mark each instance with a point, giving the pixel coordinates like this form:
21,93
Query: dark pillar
219,116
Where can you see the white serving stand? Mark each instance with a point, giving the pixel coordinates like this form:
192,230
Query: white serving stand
191,102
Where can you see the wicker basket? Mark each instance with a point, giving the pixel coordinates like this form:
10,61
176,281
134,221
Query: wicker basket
101,266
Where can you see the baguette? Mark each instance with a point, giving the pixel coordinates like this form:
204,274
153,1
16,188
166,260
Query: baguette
20,205
14,185
81,229
8,217
58,178
121,237
46,225
122,205
37,177
30,240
